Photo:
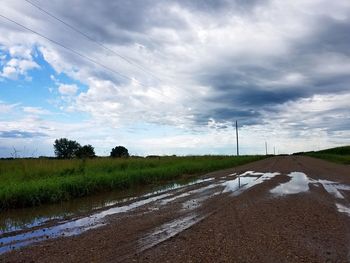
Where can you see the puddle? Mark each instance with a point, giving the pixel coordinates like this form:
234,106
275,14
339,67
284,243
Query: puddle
194,203
72,227
16,234
331,188
343,209
298,183
20,219
251,173
168,230
37,229
186,194
334,187
245,181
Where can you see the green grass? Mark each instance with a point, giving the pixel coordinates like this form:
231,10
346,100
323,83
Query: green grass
343,150
338,154
336,158
31,182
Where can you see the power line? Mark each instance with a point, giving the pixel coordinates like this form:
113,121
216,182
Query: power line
72,50
91,39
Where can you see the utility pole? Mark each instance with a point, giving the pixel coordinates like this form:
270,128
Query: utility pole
237,138
266,147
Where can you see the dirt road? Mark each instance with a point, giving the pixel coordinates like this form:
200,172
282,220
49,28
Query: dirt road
281,209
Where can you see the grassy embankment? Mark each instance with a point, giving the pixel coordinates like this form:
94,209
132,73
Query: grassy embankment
338,154
31,182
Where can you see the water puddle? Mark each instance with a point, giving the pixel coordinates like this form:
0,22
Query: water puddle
198,196
245,181
343,209
15,235
168,230
298,183
186,194
334,188
27,218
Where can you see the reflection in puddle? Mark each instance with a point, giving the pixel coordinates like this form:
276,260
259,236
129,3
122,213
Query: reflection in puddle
168,230
333,188
343,209
73,227
194,203
193,199
299,183
76,226
246,180
19,219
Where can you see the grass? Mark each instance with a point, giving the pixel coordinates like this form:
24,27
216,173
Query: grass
338,154
336,158
31,182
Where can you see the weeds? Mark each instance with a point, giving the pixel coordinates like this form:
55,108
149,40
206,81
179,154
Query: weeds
31,182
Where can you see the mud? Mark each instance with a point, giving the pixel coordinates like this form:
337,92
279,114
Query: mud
282,209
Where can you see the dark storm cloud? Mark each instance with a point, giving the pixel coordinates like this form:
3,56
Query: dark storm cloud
212,6
119,22
127,22
229,115
332,36
243,86
21,134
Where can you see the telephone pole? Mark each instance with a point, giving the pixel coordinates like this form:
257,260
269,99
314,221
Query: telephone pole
237,138
266,147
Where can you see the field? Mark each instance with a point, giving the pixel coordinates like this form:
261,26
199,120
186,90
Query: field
31,182
338,155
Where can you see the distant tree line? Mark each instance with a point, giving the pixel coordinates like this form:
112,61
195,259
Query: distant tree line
69,149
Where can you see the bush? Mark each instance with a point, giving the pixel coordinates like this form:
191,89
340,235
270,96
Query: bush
65,149
119,151
86,151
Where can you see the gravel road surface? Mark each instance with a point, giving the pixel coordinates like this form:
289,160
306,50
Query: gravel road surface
281,209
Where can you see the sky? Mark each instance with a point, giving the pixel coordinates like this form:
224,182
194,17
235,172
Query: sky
172,77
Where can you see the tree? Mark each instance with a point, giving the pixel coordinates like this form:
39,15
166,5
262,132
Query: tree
119,151
65,149
86,151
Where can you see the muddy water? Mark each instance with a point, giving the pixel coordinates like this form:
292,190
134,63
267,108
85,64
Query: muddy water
23,227
19,219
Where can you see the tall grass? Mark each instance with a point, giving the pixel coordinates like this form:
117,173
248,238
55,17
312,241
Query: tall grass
343,150
31,182
338,154
336,158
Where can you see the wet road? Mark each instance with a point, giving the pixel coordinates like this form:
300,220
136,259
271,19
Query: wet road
282,209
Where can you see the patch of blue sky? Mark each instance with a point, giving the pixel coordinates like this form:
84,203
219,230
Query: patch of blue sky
40,90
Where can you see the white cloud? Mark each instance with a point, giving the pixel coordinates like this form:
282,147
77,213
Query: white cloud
7,108
16,67
35,110
68,89
9,72
22,52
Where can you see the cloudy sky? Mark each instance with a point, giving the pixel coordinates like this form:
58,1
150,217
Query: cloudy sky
171,76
